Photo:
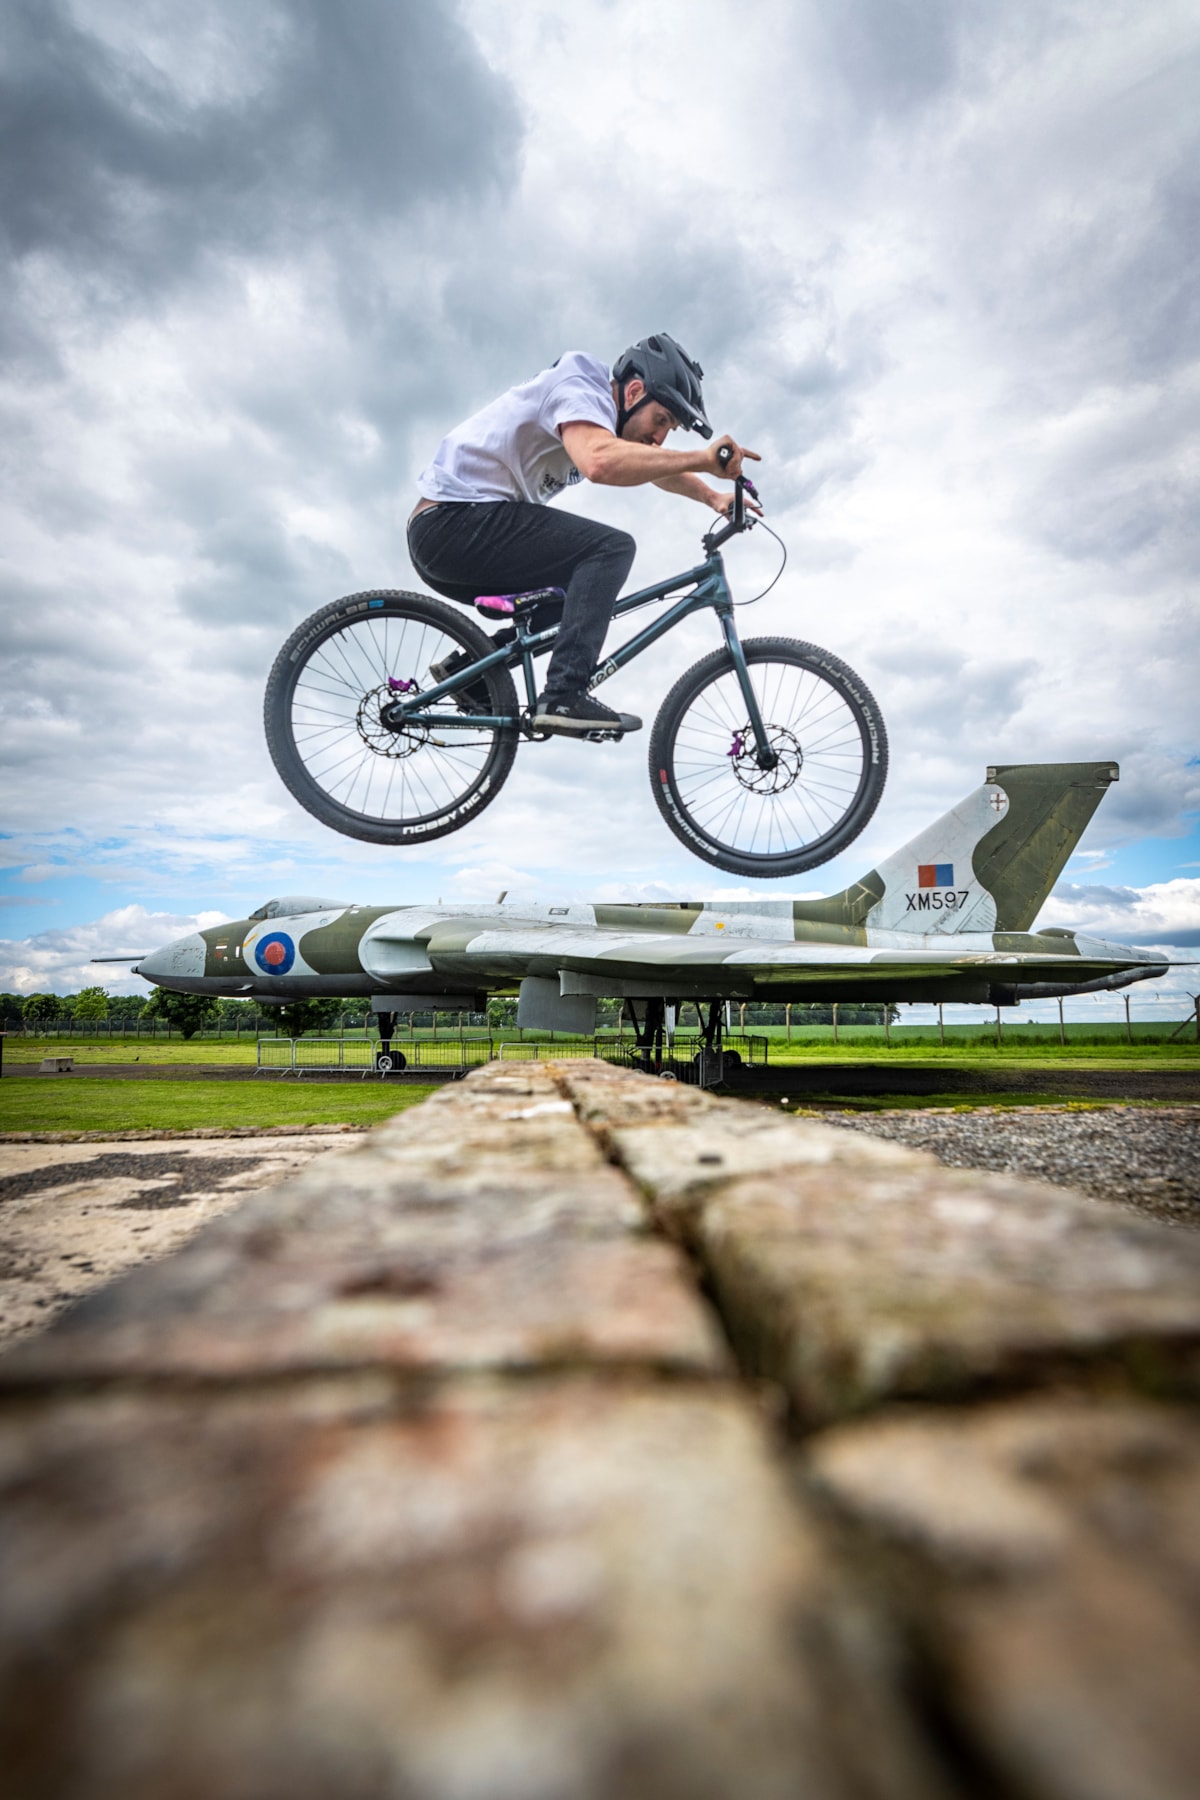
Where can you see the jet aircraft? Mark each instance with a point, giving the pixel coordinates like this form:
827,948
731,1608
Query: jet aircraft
949,917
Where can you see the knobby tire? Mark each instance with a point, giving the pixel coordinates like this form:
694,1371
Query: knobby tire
321,714
824,724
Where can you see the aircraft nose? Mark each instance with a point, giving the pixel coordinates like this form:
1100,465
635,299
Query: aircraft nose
181,961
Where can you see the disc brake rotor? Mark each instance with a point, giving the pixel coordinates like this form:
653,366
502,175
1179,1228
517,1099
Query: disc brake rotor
378,737
743,759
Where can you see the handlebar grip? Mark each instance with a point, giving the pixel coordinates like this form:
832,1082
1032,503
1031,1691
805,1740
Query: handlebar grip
725,455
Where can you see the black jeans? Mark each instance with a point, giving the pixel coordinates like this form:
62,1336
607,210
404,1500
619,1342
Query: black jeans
506,546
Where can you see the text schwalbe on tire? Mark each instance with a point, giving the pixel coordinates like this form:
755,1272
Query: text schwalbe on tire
277,718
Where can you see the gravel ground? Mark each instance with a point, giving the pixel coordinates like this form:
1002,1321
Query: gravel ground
1148,1158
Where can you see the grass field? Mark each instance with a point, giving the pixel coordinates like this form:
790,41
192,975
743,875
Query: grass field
965,1045
224,1053
93,1103
22,1051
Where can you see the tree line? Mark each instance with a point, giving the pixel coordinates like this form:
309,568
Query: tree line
185,1013
192,1013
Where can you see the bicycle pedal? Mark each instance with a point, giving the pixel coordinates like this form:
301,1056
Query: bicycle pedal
603,737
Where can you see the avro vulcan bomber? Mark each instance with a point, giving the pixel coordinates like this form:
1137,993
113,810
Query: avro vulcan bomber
950,917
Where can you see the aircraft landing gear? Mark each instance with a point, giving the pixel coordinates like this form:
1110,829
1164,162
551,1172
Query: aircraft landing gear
387,1060
710,1061
655,1027
712,1029
649,1033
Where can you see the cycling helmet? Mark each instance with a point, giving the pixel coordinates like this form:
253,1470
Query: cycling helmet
671,378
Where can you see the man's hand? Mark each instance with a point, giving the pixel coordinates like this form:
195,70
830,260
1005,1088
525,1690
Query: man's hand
723,503
732,469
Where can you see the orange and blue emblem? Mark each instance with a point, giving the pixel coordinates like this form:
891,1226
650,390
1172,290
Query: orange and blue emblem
275,953
935,875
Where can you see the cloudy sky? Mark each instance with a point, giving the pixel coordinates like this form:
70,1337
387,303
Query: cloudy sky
938,258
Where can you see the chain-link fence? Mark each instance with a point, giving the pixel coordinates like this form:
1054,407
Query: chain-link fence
368,1056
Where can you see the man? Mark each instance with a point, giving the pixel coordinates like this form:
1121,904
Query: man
482,524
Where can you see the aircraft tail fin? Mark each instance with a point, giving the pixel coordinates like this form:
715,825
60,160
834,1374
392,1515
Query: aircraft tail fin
988,864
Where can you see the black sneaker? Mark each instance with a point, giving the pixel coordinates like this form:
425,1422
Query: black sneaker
473,699
582,715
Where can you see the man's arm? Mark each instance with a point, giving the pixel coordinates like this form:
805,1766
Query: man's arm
617,462
692,488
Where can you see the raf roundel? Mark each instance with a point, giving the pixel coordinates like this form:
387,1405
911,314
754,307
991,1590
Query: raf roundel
275,953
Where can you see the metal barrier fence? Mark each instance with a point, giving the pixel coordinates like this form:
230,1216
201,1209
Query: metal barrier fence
361,1056
684,1059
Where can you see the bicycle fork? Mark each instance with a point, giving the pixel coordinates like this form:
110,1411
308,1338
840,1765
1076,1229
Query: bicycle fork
764,756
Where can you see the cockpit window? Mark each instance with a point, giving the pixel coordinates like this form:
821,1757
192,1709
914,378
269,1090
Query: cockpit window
296,903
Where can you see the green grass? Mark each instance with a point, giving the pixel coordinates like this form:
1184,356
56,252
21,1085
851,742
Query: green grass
1012,1028
94,1103
23,1051
226,1053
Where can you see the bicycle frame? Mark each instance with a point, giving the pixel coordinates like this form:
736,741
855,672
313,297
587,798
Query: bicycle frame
710,590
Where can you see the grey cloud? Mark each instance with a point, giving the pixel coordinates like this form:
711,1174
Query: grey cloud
895,55
262,464
1096,894
1153,798
372,107
943,694
1159,915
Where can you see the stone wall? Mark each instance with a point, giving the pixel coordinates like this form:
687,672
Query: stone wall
583,1435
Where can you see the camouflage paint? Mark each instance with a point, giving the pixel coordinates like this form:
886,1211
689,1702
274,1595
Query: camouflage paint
945,917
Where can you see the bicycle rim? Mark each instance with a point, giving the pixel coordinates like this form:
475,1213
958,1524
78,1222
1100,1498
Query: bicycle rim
823,727
326,734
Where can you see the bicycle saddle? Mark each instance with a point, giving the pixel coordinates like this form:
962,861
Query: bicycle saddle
503,606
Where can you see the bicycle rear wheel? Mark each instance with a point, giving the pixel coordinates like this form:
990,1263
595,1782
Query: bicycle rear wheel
826,731
328,741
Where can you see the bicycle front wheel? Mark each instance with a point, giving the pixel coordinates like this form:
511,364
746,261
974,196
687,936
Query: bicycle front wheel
828,738
324,716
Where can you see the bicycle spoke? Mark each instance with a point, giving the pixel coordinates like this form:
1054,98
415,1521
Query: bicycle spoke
819,759
338,733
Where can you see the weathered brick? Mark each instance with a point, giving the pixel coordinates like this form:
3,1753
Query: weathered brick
421,1475
1047,1554
482,1230
559,1588
854,1271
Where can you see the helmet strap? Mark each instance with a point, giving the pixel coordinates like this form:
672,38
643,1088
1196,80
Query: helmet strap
625,413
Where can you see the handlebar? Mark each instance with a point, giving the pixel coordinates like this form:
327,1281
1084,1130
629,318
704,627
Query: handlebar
739,522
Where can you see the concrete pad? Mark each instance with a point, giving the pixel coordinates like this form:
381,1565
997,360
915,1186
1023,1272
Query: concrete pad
73,1216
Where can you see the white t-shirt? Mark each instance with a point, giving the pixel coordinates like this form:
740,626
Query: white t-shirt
511,450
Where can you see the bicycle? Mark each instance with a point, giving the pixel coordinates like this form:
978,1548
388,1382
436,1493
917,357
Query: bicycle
766,758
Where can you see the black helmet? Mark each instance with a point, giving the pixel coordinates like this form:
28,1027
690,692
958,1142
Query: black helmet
671,378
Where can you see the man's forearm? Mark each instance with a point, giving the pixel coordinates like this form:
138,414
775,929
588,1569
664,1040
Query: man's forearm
692,487
614,462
